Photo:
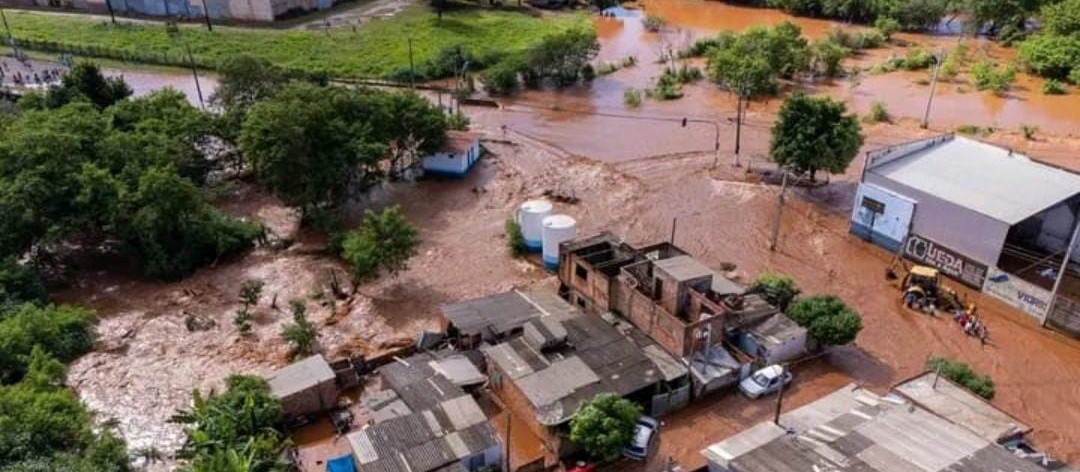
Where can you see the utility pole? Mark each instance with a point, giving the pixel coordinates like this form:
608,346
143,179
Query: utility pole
779,213
933,88
412,67
206,15
779,399
11,38
674,224
738,128
195,74
1061,272
506,460
112,14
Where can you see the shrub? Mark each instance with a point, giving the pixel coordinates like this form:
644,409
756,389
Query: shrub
502,78
857,40
62,332
19,283
653,22
515,240
878,113
1054,87
1051,56
383,243
632,97
981,385
989,76
667,87
917,59
301,333
887,27
974,130
457,121
827,319
1074,76
828,57
777,289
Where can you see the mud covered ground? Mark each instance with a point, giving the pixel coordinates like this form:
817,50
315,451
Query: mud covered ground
147,362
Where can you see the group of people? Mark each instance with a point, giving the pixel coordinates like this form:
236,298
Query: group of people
22,73
971,324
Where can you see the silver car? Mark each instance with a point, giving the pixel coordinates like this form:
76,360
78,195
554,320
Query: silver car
765,381
645,432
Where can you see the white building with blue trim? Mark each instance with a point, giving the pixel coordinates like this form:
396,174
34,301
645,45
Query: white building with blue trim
456,158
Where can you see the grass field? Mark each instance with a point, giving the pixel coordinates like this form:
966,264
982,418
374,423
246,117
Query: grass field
373,50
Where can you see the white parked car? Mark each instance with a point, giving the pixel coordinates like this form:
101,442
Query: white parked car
765,381
645,432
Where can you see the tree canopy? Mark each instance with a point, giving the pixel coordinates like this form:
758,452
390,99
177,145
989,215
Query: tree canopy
777,289
132,172
383,243
749,63
605,425
316,146
827,319
814,134
234,431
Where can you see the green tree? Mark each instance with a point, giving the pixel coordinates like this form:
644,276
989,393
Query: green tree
560,57
828,58
1061,18
981,385
384,242
242,421
989,76
604,425
18,284
777,289
301,334
1051,56
1005,19
83,82
63,332
167,221
243,81
827,319
814,134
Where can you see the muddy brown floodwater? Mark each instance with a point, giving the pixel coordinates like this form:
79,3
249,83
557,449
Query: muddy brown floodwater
633,170
581,118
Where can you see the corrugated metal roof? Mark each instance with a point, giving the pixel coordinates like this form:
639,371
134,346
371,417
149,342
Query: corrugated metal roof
299,376
990,180
960,406
502,313
854,430
459,370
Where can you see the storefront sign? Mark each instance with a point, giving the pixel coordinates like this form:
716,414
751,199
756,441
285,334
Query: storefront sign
949,262
1017,292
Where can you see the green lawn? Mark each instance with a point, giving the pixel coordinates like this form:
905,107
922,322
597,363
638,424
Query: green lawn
374,50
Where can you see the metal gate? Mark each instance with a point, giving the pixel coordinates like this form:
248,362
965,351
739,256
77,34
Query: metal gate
664,403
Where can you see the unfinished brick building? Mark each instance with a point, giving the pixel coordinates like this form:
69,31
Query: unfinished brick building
660,288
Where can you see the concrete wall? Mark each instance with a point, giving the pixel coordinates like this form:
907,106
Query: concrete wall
313,400
972,234
519,405
242,10
887,229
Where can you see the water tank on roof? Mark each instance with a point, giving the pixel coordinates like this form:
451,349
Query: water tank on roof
556,229
531,218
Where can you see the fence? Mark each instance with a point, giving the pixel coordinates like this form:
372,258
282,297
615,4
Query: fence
1065,316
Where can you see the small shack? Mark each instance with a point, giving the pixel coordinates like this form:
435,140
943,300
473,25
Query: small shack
457,156
304,387
775,339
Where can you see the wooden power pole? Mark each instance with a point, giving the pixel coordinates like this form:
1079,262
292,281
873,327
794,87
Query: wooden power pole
779,213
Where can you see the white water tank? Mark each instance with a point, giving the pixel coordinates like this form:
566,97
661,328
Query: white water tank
531,218
557,229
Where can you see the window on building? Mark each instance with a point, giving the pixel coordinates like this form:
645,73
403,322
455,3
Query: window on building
580,272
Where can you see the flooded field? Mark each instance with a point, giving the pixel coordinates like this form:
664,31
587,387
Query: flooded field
583,119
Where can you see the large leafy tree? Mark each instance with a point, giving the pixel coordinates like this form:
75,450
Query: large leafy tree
827,319
316,146
62,332
235,430
382,244
244,81
84,82
560,57
604,425
168,223
813,134
44,427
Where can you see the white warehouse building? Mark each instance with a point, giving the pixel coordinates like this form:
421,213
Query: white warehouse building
986,216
